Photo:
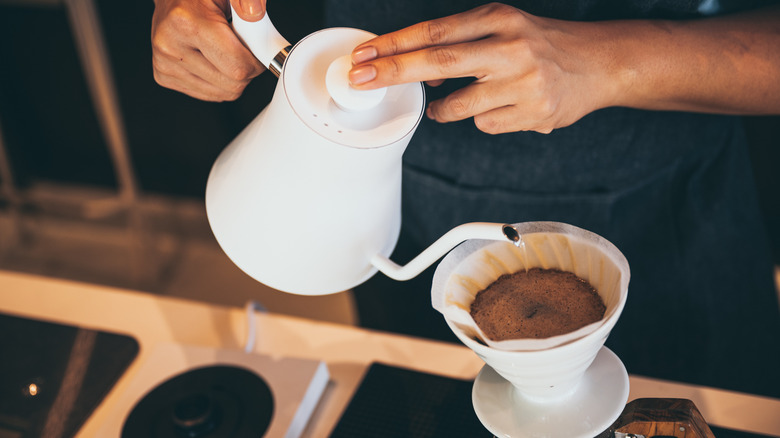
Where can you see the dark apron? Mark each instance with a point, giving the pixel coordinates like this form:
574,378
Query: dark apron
674,191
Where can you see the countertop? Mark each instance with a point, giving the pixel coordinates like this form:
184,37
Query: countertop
347,350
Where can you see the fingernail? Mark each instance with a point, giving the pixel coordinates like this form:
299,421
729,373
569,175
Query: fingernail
252,7
363,54
429,113
362,74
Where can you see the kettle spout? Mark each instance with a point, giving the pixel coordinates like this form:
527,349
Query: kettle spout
474,230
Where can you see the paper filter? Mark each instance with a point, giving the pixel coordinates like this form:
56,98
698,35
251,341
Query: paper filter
475,264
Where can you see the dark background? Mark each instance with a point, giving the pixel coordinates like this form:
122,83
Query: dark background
50,126
51,131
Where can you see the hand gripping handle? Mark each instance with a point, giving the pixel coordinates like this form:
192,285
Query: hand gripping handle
263,40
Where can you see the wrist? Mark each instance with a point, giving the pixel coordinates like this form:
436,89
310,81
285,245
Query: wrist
598,56
642,57
616,75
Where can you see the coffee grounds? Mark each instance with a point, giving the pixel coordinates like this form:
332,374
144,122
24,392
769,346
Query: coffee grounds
538,303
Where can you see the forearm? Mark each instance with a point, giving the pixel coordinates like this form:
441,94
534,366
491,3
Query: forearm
727,64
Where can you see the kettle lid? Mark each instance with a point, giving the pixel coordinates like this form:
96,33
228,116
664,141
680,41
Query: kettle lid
317,67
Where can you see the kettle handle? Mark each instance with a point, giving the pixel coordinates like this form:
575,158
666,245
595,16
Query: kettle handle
473,230
263,40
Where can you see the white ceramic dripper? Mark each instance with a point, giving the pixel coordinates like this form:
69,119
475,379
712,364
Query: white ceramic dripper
307,199
540,370
544,393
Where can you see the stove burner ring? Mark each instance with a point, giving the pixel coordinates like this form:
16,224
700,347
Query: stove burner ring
196,415
209,402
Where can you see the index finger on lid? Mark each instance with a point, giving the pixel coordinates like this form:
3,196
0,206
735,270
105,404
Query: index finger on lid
458,28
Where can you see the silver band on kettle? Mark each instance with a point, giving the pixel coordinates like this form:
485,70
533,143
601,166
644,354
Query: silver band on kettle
276,64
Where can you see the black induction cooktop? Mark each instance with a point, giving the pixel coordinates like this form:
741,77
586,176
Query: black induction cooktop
53,376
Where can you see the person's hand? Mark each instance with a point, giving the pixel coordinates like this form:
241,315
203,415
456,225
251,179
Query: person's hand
528,75
540,74
196,52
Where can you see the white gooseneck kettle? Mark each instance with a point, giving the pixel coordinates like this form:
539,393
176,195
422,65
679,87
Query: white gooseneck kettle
307,198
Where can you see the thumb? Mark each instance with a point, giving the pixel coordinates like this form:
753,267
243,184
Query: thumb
249,10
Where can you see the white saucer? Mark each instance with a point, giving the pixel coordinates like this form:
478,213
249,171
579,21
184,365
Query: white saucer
596,403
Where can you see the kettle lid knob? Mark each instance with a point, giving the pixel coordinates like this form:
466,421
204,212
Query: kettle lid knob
347,98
